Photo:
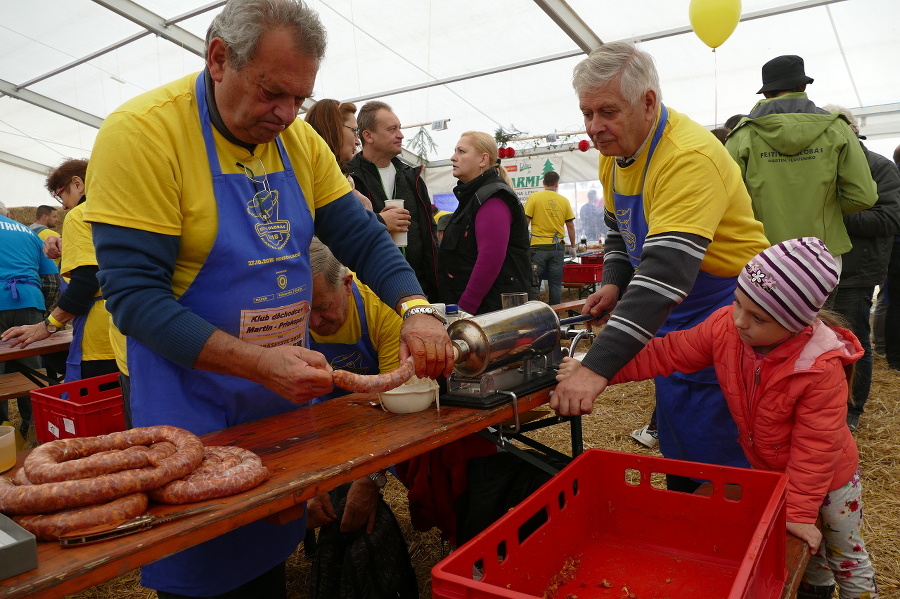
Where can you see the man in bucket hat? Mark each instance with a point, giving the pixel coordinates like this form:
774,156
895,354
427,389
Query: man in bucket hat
803,166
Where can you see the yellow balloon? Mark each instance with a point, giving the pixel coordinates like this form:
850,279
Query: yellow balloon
714,20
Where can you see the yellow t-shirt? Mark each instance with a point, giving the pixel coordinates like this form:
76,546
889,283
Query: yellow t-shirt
384,328
149,171
119,344
549,212
692,186
78,250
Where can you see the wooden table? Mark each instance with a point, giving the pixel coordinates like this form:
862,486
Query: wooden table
309,451
57,342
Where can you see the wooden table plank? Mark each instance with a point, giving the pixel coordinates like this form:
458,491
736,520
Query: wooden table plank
309,450
56,342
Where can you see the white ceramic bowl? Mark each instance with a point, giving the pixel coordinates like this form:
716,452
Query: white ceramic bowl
413,396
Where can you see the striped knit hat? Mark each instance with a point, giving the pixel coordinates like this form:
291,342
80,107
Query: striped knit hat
791,280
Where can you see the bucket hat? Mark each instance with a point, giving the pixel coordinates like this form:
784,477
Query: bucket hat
783,72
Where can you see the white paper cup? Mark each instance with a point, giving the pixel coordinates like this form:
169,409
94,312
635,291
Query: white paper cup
399,237
7,448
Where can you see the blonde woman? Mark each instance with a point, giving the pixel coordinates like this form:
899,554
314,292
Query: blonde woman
484,252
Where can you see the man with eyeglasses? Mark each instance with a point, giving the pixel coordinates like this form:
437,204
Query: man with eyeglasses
380,175
205,194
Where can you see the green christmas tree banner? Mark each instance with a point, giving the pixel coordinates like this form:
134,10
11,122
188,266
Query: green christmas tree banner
527,174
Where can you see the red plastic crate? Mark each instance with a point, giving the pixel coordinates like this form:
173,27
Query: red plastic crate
582,273
592,258
604,521
82,408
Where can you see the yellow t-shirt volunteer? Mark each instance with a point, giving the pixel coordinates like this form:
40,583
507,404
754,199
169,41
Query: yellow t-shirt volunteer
549,212
680,196
157,178
78,250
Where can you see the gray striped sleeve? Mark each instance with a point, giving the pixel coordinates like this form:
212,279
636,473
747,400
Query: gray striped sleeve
669,266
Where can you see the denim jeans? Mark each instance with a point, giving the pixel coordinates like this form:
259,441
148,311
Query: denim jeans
855,304
548,264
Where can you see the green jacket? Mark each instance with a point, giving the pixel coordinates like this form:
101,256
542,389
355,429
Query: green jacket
804,169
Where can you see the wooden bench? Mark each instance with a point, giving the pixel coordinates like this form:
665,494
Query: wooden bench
566,307
15,384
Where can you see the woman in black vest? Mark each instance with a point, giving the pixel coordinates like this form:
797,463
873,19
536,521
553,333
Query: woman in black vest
484,252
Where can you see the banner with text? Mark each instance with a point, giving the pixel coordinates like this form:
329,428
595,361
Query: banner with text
527,174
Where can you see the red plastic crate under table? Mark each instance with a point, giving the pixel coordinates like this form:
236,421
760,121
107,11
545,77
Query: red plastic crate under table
82,408
599,528
582,273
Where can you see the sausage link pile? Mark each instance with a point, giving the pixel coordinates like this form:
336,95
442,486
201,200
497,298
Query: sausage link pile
112,474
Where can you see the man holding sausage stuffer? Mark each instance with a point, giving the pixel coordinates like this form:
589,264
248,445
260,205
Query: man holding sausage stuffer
202,230
681,229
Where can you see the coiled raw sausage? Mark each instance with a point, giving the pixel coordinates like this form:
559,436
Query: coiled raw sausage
224,471
376,383
50,527
103,480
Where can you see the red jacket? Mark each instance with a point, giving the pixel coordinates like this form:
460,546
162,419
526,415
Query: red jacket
790,407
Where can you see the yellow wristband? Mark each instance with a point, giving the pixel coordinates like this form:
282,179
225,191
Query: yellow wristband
55,322
405,306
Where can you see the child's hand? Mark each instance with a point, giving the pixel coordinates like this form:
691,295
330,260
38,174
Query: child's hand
568,367
806,532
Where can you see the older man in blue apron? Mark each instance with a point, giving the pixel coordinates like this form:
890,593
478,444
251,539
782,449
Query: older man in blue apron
681,227
207,194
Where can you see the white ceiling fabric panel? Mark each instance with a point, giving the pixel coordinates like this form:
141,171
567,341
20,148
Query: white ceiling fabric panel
396,50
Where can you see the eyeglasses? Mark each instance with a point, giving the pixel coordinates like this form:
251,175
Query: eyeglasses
57,195
354,129
263,202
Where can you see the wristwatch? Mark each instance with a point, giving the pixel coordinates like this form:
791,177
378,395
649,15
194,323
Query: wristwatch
379,479
425,310
51,328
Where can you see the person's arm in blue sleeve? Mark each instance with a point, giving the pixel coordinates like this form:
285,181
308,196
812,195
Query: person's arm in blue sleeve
136,270
135,274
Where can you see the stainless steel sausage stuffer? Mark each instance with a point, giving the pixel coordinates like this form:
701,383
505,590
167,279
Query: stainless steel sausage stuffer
517,349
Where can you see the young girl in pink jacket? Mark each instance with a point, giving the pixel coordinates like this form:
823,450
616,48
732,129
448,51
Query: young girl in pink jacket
784,373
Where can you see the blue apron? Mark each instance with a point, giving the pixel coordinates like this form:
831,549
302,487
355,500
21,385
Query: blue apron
12,284
255,285
360,357
75,357
692,416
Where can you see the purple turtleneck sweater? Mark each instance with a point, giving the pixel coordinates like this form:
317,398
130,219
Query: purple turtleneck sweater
492,224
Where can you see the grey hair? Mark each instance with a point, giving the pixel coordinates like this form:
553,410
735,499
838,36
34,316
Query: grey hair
322,261
242,23
635,69
4,211
365,120
851,118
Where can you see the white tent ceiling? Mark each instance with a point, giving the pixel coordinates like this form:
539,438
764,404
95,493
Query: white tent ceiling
66,64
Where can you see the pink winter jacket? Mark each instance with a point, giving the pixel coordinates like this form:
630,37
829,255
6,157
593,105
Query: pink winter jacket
795,420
